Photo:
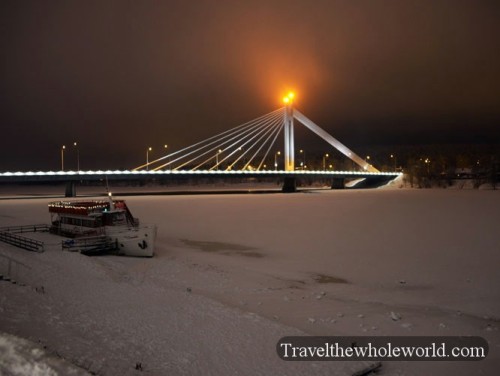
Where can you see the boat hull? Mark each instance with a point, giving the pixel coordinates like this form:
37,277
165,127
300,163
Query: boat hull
134,241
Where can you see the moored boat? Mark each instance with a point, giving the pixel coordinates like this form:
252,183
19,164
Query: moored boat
109,219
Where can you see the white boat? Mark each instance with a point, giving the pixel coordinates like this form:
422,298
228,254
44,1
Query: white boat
103,226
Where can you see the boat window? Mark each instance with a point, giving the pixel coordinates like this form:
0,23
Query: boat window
81,222
114,218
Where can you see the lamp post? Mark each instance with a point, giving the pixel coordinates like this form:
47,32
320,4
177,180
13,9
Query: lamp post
147,157
393,157
324,161
276,160
303,162
427,162
62,157
217,159
244,160
168,159
75,144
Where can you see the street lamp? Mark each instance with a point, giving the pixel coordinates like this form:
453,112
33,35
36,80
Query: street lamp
368,160
62,157
276,160
217,158
303,163
147,157
77,156
168,159
324,161
427,161
393,157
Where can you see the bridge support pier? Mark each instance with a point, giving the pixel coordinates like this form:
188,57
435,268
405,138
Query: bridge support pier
338,183
289,184
70,189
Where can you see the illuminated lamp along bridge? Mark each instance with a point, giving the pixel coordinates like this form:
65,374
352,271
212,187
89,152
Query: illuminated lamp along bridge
237,152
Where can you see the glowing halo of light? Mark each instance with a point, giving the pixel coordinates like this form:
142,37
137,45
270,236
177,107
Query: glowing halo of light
288,98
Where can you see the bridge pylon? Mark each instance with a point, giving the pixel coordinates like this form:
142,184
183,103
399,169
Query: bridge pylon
288,131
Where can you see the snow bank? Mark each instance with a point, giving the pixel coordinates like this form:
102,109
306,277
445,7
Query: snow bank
21,357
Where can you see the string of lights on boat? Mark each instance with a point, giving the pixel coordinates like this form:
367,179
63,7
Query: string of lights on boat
77,207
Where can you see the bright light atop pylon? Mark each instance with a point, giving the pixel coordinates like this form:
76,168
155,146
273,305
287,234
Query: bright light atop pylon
289,97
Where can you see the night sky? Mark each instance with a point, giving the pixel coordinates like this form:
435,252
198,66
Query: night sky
120,76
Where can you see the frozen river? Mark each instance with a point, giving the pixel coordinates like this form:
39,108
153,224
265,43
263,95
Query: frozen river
234,273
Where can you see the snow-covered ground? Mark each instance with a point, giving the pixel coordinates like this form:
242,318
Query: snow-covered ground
234,273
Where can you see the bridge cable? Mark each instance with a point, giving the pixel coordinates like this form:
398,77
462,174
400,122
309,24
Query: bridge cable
239,147
237,130
256,143
249,123
268,133
230,131
271,145
239,138
276,129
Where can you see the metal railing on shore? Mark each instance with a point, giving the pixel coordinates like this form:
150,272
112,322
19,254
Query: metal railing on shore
90,245
10,235
11,270
26,228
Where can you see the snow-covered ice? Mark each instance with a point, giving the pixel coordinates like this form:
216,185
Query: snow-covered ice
234,273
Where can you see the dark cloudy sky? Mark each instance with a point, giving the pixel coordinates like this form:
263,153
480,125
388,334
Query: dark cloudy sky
119,76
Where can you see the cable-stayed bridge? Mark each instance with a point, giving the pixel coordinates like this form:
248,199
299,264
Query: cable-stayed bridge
248,146
247,150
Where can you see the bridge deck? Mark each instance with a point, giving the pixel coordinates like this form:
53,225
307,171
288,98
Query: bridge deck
49,176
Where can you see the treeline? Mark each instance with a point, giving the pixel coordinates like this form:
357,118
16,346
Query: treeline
441,165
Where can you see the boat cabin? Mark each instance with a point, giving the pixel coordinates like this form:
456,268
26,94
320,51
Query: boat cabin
89,218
